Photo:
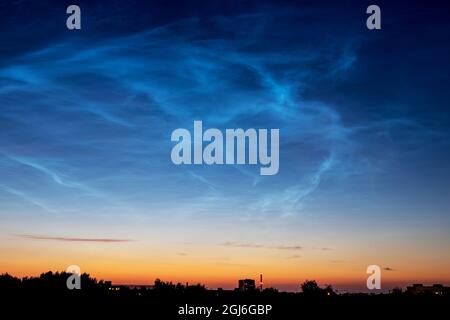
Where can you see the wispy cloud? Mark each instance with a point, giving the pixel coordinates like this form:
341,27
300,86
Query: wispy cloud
72,239
323,249
290,200
113,99
25,197
93,120
260,246
388,269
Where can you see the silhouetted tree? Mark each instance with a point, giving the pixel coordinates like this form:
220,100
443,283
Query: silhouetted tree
196,290
8,282
311,288
396,291
329,290
163,287
270,292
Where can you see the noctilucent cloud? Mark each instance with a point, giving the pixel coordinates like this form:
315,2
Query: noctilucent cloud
86,119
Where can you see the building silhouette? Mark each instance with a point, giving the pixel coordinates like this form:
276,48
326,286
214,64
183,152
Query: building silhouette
418,288
247,285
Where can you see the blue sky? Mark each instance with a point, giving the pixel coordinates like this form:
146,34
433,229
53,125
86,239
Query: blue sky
363,116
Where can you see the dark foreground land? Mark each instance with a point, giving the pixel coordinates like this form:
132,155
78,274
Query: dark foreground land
47,296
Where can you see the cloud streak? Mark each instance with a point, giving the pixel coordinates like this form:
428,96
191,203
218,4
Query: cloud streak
73,239
259,246
388,269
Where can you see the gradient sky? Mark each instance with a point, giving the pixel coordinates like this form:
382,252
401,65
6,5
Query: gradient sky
86,117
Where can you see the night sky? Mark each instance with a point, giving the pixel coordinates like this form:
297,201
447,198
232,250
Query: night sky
86,117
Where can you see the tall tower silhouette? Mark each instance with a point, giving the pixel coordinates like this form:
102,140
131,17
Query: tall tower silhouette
261,281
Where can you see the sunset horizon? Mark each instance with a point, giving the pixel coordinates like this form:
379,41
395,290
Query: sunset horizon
283,270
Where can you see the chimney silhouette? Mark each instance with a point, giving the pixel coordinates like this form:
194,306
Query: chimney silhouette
260,281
